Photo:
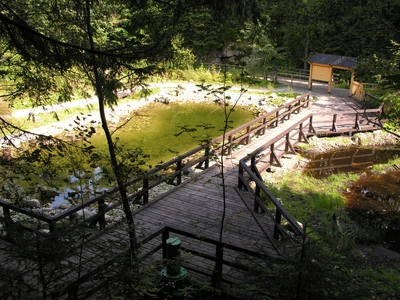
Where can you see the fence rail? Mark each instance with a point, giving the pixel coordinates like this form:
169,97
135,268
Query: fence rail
160,237
251,173
171,171
358,120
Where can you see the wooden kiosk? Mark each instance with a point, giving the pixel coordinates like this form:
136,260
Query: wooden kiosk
322,65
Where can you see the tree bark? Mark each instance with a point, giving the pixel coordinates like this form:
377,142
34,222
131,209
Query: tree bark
99,83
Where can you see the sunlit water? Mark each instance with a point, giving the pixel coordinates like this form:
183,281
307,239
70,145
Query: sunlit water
157,130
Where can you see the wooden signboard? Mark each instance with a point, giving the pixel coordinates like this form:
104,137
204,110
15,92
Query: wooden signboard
322,73
322,65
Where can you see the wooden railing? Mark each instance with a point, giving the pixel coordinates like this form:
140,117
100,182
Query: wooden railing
359,120
171,171
292,73
271,73
163,233
251,173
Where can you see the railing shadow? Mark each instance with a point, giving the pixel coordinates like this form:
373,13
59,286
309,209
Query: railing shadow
169,172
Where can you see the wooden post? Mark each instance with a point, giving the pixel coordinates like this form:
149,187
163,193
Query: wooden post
179,168
288,144
300,131
248,135
278,218
207,155
264,122
101,208
289,110
271,156
277,119
298,103
165,237
357,122
52,226
145,190
253,163
310,77
240,183
334,127
287,141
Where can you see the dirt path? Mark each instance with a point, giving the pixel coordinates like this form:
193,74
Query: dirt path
325,103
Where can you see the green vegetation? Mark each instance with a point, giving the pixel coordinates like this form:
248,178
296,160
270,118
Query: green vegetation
392,104
52,116
55,50
337,261
395,161
155,128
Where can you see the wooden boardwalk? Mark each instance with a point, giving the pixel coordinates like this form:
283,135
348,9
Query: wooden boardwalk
195,206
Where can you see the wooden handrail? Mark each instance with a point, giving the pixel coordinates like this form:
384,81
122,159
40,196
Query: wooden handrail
275,139
233,137
254,176
164,232
359,114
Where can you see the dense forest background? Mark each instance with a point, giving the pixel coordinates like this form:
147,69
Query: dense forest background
284,33
54,35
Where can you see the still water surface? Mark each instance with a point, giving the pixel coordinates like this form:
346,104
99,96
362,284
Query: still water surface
374,199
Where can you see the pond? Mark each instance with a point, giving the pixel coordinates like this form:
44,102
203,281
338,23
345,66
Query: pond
354,160
374,199
156,127
155,130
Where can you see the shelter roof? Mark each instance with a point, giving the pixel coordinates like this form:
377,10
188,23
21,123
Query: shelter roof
334,60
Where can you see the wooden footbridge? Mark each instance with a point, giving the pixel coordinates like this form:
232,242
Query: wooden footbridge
256,224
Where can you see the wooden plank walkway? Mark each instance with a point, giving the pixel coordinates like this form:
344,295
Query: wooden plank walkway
196,205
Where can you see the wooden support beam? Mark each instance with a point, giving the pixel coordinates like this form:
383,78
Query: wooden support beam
334,126
101,208
357,124
288,145
278,218
302,135
273,157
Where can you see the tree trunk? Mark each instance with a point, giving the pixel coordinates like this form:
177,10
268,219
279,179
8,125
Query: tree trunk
306,50
99,83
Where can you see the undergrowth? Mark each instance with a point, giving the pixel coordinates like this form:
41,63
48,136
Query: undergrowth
333,266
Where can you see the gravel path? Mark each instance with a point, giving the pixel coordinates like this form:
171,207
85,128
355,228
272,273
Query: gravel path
169,92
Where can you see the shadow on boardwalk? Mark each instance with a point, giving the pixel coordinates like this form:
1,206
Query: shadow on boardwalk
195,206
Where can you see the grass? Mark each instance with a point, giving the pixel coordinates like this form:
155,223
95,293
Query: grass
213,75
51,117
332,267
381,168
302,199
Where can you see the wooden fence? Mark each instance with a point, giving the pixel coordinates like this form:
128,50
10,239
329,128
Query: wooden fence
171,171
355,121
269,154
223,255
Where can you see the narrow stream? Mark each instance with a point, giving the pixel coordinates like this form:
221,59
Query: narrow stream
374,199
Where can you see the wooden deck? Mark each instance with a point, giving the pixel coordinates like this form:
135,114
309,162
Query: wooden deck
195,206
